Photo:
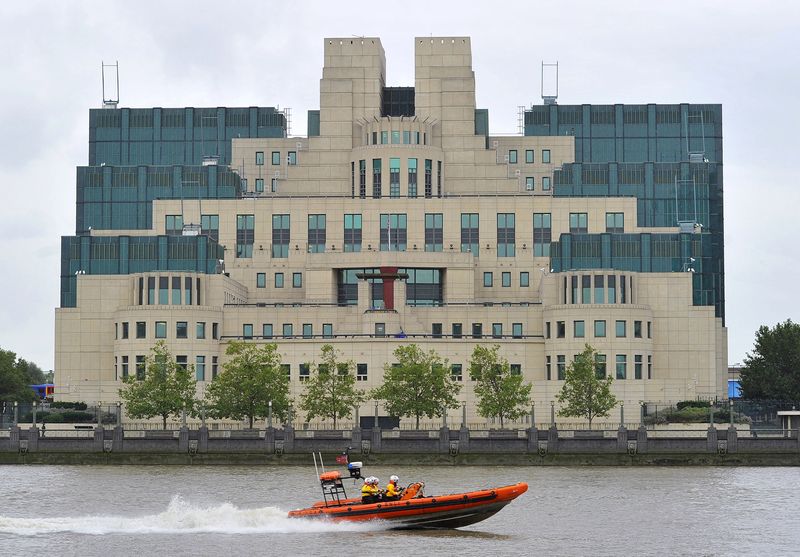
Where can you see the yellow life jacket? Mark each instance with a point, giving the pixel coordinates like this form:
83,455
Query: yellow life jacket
391,490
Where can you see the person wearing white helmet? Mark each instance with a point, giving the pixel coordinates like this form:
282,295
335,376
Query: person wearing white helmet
370,492
392,492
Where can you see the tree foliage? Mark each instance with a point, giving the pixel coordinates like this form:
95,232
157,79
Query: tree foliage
330,392
500,394
584,394
249,381
419,384
772,370
165,391
33,373
14,380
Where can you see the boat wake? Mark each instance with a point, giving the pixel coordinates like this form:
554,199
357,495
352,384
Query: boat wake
180,517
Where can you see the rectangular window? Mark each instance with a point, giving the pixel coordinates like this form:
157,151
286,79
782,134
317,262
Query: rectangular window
125,329
247,330
412,177
438,178
200,368
620,328
245,234
488,279
457,330
497,330
506,232
260,185
161,329
288,330
528,156
428,178
512,156
215,331
395,137
586,289
352,232
637,366
436,330
181,329
124,367
477,330
278,280
292,158
273,185
174,225
259,158
209,225
546,156
384,138
380,330
578,223
545,183
615,222
637,329
266,330
200,331
541,234
140,368
561,329
376,178
470,233
141,329
561,367
456,372
600,366
516,330
276,158
649,330
394,176
176,291
600,328
182,362
308,330
599,289
506,279
516,369
406,137
433,231
578,329
394,233
524,279
297,280
327,330
163,290
361,372
612,289
316,233
649,366
280,236
261,280
547,329
214,367
622,366
547,372
529,183
574,281
362,179
305,372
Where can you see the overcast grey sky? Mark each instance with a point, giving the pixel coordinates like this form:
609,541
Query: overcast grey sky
198,53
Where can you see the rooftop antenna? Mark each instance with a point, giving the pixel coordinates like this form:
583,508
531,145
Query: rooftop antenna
552,94
112,100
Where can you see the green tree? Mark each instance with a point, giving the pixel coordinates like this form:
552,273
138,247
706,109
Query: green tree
330,391
249,381
500,393
165,391
419,384
772,369
584,394
33,374
14,384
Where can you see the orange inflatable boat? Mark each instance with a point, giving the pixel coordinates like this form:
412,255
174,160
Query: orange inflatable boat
414,509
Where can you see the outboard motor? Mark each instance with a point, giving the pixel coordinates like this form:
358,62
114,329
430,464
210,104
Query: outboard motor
355,470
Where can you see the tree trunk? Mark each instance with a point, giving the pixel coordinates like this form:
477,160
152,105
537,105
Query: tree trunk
417,416
251,421
164,421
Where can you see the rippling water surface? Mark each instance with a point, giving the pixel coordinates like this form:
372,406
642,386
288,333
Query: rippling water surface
127,510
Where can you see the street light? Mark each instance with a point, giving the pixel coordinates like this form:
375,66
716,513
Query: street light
269,415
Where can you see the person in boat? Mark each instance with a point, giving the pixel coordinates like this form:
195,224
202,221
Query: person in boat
370,492
392,492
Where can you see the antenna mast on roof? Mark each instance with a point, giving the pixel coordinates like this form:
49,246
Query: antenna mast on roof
113,97
552,94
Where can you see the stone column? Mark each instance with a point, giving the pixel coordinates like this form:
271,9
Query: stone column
33,439
202,439
99,435
533,439
119,439
183,440
622,439
552,439
288,438
444,439
733,438
711,439
641,440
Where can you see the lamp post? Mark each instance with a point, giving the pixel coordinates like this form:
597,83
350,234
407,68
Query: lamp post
464,414
16,412
552,413
119,414
269,415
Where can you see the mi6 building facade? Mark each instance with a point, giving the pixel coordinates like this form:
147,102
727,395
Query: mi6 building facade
399,219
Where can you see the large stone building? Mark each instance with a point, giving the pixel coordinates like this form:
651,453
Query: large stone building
401,219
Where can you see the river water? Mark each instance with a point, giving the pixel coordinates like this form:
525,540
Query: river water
160,510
